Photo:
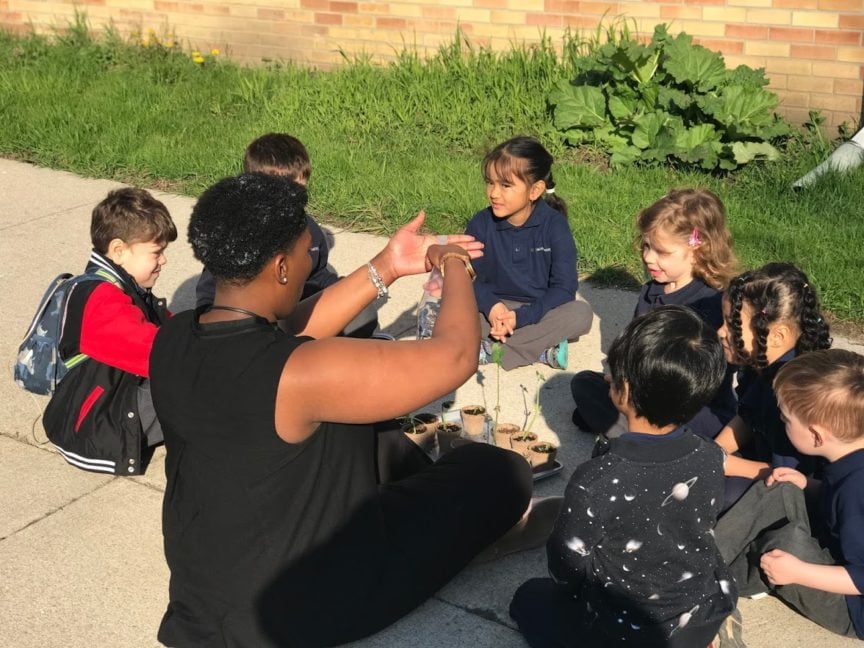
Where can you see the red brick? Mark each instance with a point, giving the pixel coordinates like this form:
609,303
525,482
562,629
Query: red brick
315,4
581,22
558,6
838,37
270,14
328,19
813,52
609,8
544,19
390,23
442,13
749,32
791,34
219,10
794,4
849,86
722,46
706,2
851,21
343,7
687,13
490,4
841,5
158,5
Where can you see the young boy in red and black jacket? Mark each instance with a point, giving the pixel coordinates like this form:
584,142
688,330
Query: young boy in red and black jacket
101,416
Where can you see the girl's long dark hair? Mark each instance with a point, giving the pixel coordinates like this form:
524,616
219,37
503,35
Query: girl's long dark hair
527,159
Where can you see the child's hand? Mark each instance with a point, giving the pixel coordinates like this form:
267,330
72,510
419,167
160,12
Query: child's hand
785,474
433,287
502,322
780,567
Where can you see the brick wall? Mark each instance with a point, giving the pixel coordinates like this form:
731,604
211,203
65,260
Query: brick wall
812,50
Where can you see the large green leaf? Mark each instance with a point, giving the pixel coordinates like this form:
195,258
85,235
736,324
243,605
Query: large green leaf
744,109
693,65
625,155
577,106
745,152
696,136
623,107
747,76
647,129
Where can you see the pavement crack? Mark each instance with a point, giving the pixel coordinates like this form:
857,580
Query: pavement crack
483,613
57,509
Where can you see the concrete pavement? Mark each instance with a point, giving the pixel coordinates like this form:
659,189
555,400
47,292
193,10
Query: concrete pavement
81,559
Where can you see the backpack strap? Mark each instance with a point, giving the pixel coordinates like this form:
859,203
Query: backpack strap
98,275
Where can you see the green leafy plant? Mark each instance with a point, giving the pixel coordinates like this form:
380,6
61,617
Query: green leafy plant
497,355
537,407
667,100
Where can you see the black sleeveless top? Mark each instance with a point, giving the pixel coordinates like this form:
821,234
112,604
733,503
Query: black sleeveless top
241,504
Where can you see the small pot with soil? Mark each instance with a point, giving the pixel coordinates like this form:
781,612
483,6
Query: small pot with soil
420,433
522,441
542,453
447,434
474,422
503,434
427,418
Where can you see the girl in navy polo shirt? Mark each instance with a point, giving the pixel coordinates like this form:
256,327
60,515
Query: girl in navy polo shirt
770,315
687,252
526,279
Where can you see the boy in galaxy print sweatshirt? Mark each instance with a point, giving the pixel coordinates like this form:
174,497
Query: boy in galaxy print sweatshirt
632,557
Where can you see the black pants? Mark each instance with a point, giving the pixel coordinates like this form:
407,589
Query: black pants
550,618
398,550
777,518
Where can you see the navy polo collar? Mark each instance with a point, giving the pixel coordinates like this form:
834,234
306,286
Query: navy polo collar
838,470
538,214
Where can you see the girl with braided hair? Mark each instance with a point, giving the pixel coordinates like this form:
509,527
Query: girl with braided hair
770,315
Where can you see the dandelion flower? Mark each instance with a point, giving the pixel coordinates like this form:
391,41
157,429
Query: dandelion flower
196,54
214,52
198,59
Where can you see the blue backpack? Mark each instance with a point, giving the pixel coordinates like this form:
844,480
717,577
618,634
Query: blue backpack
39,367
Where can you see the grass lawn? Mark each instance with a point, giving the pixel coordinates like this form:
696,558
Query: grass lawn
387,141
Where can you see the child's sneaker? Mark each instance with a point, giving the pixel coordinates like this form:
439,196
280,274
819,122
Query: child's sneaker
556,356
485,354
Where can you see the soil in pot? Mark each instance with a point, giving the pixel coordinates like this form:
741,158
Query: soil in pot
540,454
447,434
474,422
520,442
427,418
503,434
421,434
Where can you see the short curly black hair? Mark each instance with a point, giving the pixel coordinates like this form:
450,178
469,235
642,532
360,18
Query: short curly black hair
240,223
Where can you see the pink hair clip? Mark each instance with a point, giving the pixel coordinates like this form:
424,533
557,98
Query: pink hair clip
694,239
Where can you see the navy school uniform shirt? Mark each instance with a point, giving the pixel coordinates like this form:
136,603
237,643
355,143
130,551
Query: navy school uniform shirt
757,406
534,264
706,302
702,298
843,517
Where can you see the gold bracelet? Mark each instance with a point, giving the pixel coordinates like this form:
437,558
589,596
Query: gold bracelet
464,259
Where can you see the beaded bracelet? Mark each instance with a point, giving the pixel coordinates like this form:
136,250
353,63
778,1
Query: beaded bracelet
377,281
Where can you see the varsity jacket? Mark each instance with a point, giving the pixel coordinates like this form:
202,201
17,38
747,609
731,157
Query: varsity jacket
108,330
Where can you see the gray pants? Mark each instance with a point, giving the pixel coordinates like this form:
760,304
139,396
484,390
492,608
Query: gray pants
566,322
776,518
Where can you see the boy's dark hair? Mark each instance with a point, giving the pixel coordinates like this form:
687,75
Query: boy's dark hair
525,158
278,154
133,216
776,292
240,223
825,388
672,362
